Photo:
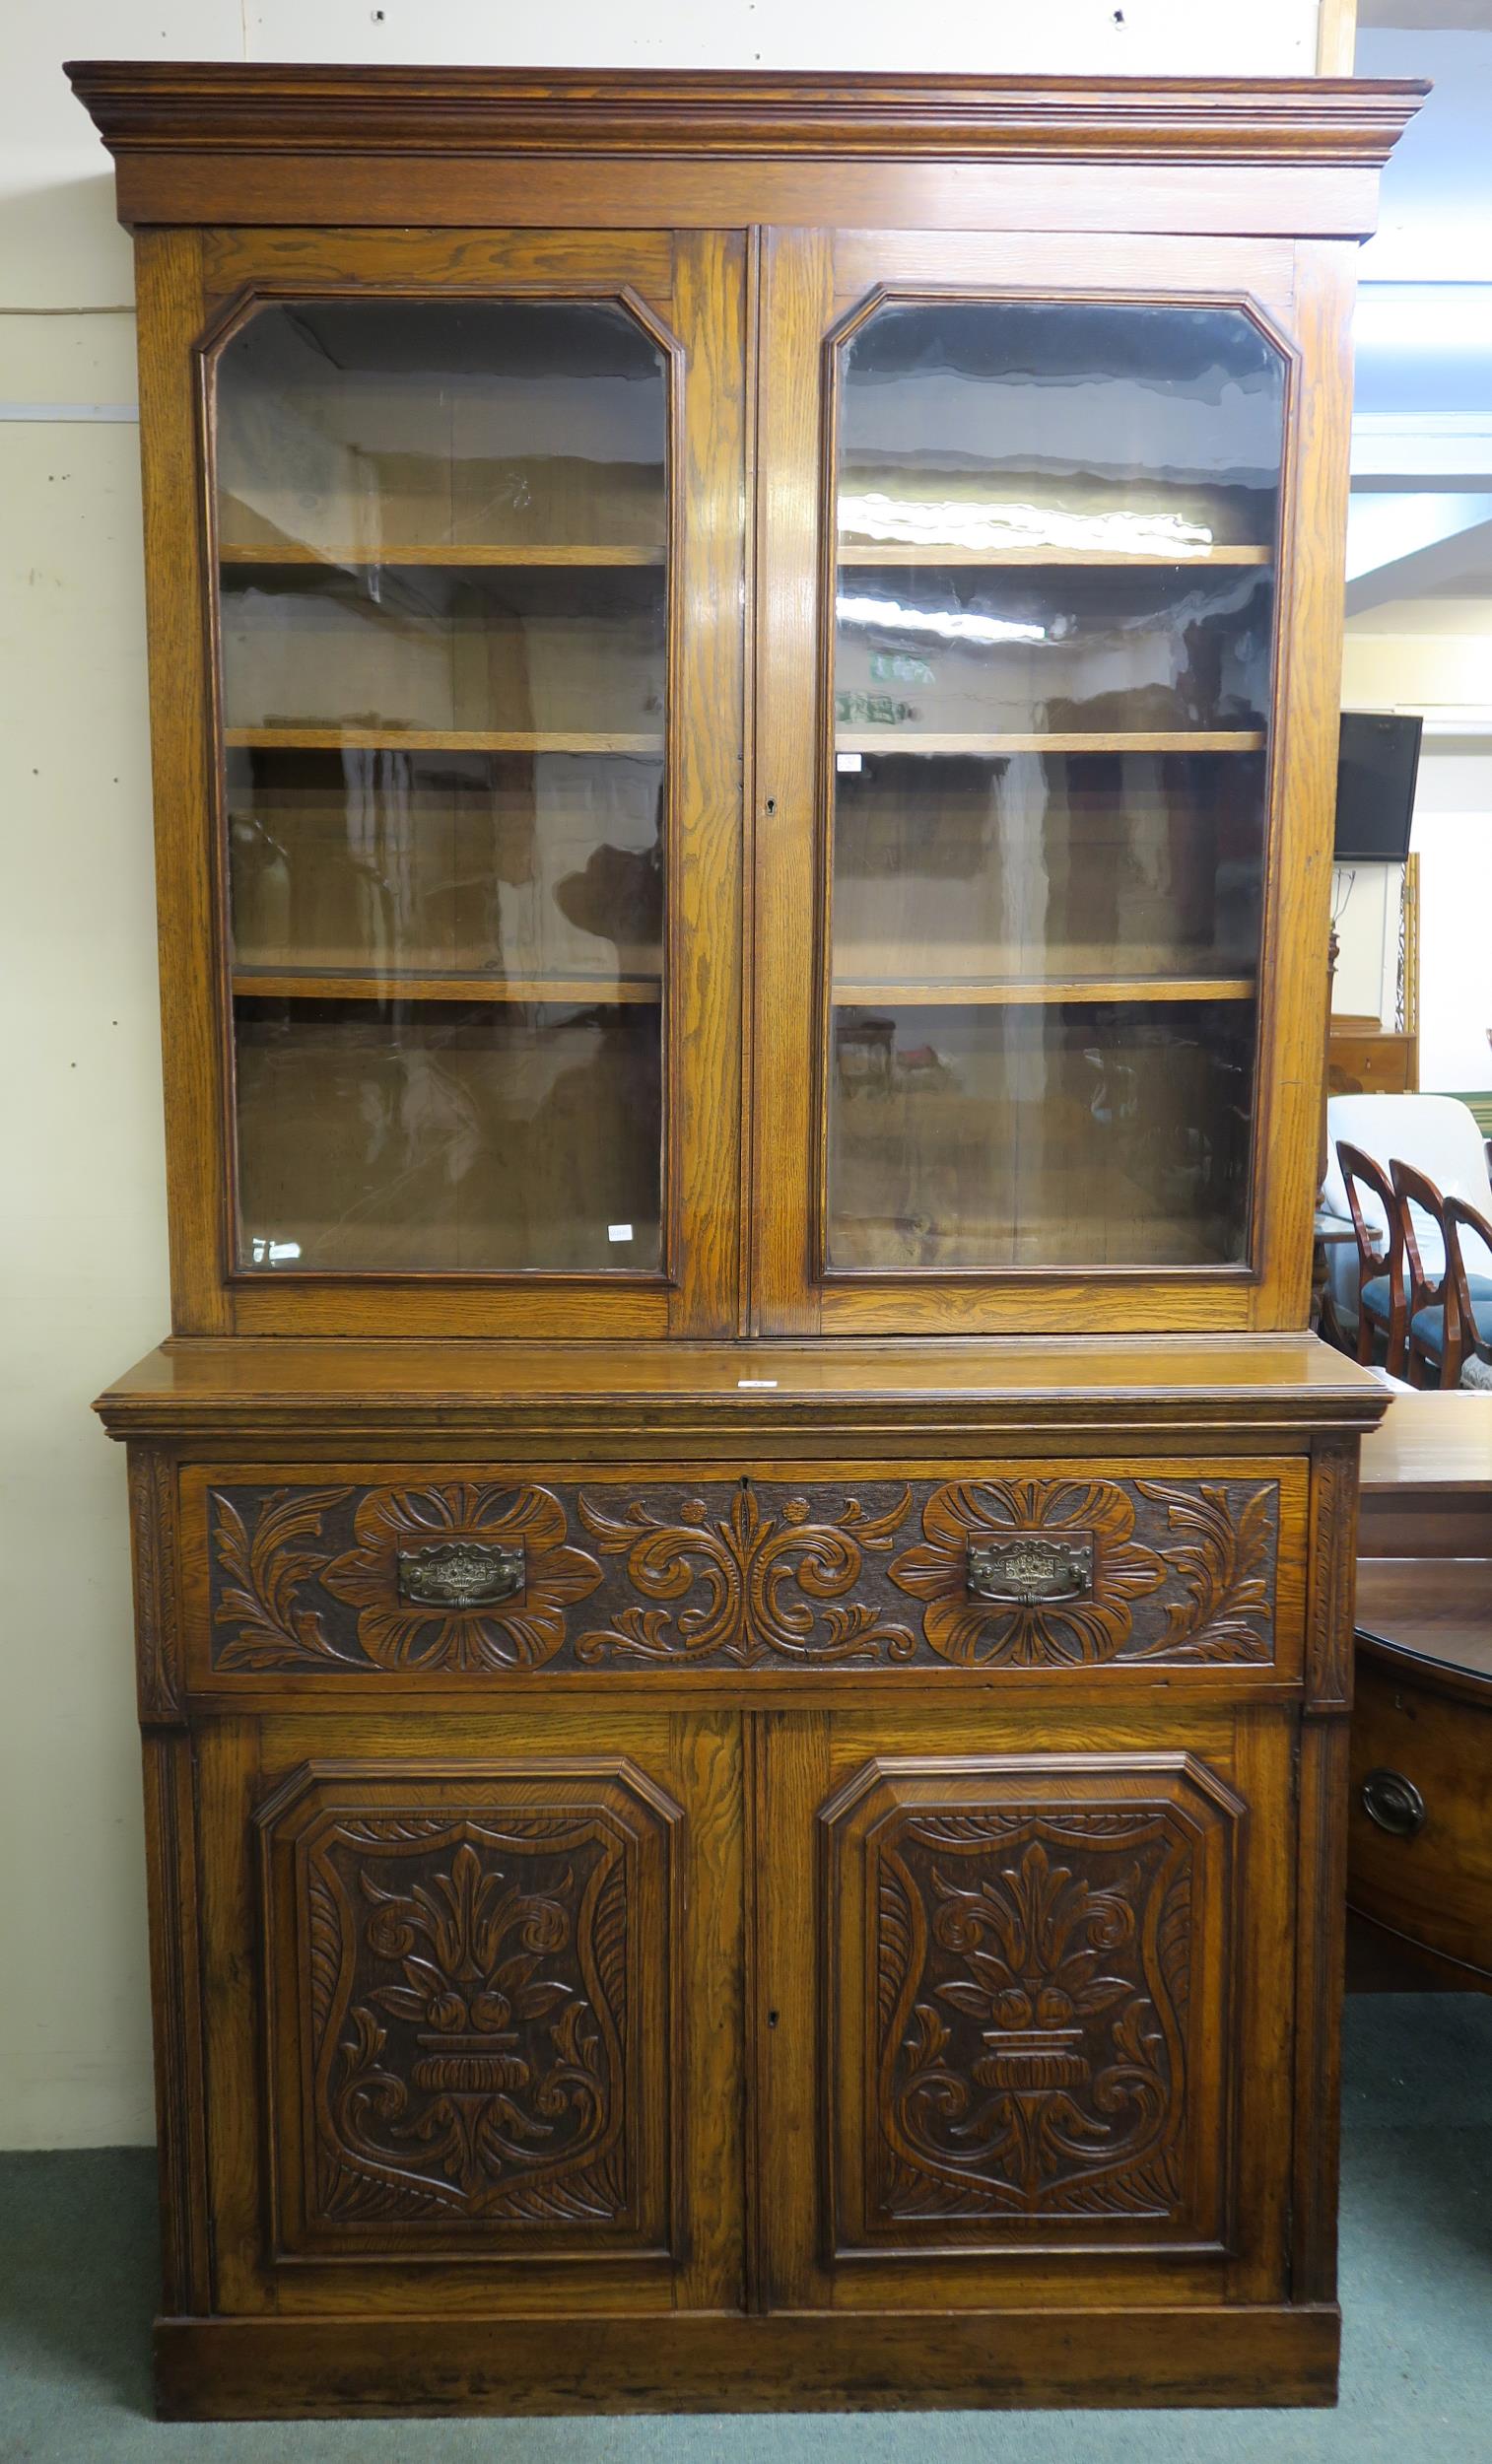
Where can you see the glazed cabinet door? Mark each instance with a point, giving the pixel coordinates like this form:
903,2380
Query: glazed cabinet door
473,2011
1043,669
472,557
1027,2011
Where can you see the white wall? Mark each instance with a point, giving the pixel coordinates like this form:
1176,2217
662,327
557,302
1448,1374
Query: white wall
84,1256
1452,838
1366,903
1432,655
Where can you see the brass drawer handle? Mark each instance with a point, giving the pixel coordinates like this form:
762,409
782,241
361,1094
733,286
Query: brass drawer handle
461,1574
1016,1573
1393,1803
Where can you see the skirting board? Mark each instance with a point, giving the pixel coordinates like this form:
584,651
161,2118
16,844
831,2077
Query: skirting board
271,2369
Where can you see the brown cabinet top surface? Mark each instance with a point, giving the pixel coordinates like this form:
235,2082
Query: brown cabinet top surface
1223,1385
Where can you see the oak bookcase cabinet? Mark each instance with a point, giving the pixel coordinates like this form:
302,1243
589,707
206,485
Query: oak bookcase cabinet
743,1565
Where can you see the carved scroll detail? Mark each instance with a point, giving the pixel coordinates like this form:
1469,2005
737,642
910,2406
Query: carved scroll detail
1225,1610
746,1585
269,1623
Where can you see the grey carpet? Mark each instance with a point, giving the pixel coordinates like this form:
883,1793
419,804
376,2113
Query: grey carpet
77,2267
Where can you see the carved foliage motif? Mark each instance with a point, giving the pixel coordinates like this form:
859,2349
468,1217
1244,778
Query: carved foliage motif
468,2015
266,1613
743,1574
1209,1553
747,1583
1031,1978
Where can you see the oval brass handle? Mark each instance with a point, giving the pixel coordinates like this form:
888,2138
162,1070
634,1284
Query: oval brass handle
461,1574
1022,1572
1393,1803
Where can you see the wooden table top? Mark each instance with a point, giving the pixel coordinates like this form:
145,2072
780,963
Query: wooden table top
1431,1604
1431,1441
1440,1608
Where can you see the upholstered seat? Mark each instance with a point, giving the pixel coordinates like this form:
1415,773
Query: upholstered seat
1375,1297
1427,1325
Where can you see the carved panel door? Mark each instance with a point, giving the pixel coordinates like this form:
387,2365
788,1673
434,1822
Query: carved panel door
458,2066
1031,2008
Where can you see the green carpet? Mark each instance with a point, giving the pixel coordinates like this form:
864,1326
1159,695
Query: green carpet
77,2279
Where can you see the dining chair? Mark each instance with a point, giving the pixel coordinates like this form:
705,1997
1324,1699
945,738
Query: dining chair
1427,1303
1468,1315
1380,1293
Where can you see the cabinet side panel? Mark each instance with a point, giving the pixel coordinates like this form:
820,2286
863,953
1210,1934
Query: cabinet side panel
176,2007
168,289
1322,1885
1292,1059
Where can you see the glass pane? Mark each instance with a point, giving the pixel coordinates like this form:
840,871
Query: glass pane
1041,1133
1054,654
446,1137
442,532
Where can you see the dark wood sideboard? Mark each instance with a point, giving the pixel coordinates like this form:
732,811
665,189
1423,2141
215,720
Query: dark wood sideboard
1420,1856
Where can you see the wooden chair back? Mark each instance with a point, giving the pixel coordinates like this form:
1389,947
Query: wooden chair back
1461,1336
1413,1188
1359,1167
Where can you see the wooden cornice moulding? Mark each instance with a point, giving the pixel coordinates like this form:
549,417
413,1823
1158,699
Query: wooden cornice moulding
146,107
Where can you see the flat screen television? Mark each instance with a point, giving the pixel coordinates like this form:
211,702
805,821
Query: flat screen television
1376,771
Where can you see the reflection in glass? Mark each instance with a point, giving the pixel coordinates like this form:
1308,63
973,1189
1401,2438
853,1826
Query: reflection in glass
1078,651
1041,1133
442,531
1053,684
1059,864
1055,428
440,1137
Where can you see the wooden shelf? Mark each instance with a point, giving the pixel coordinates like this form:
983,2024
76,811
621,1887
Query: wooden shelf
966,992
1164,740
436,741
297,552
306,985
1056,558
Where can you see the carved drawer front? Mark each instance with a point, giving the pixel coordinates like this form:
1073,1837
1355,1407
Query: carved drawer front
1048,1566
1028,1983
468,2010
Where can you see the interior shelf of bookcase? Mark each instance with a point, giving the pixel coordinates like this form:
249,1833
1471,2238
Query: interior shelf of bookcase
435,740
1164,740
927,552
331,985
426,552
960,992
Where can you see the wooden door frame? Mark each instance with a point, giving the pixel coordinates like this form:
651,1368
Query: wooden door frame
688,289
812,279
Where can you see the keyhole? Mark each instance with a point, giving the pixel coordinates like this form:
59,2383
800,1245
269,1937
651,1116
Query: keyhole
772,2018
772,804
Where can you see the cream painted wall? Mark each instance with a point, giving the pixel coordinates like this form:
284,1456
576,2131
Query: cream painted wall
1452,838
1366,900
84,1231
1433,655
